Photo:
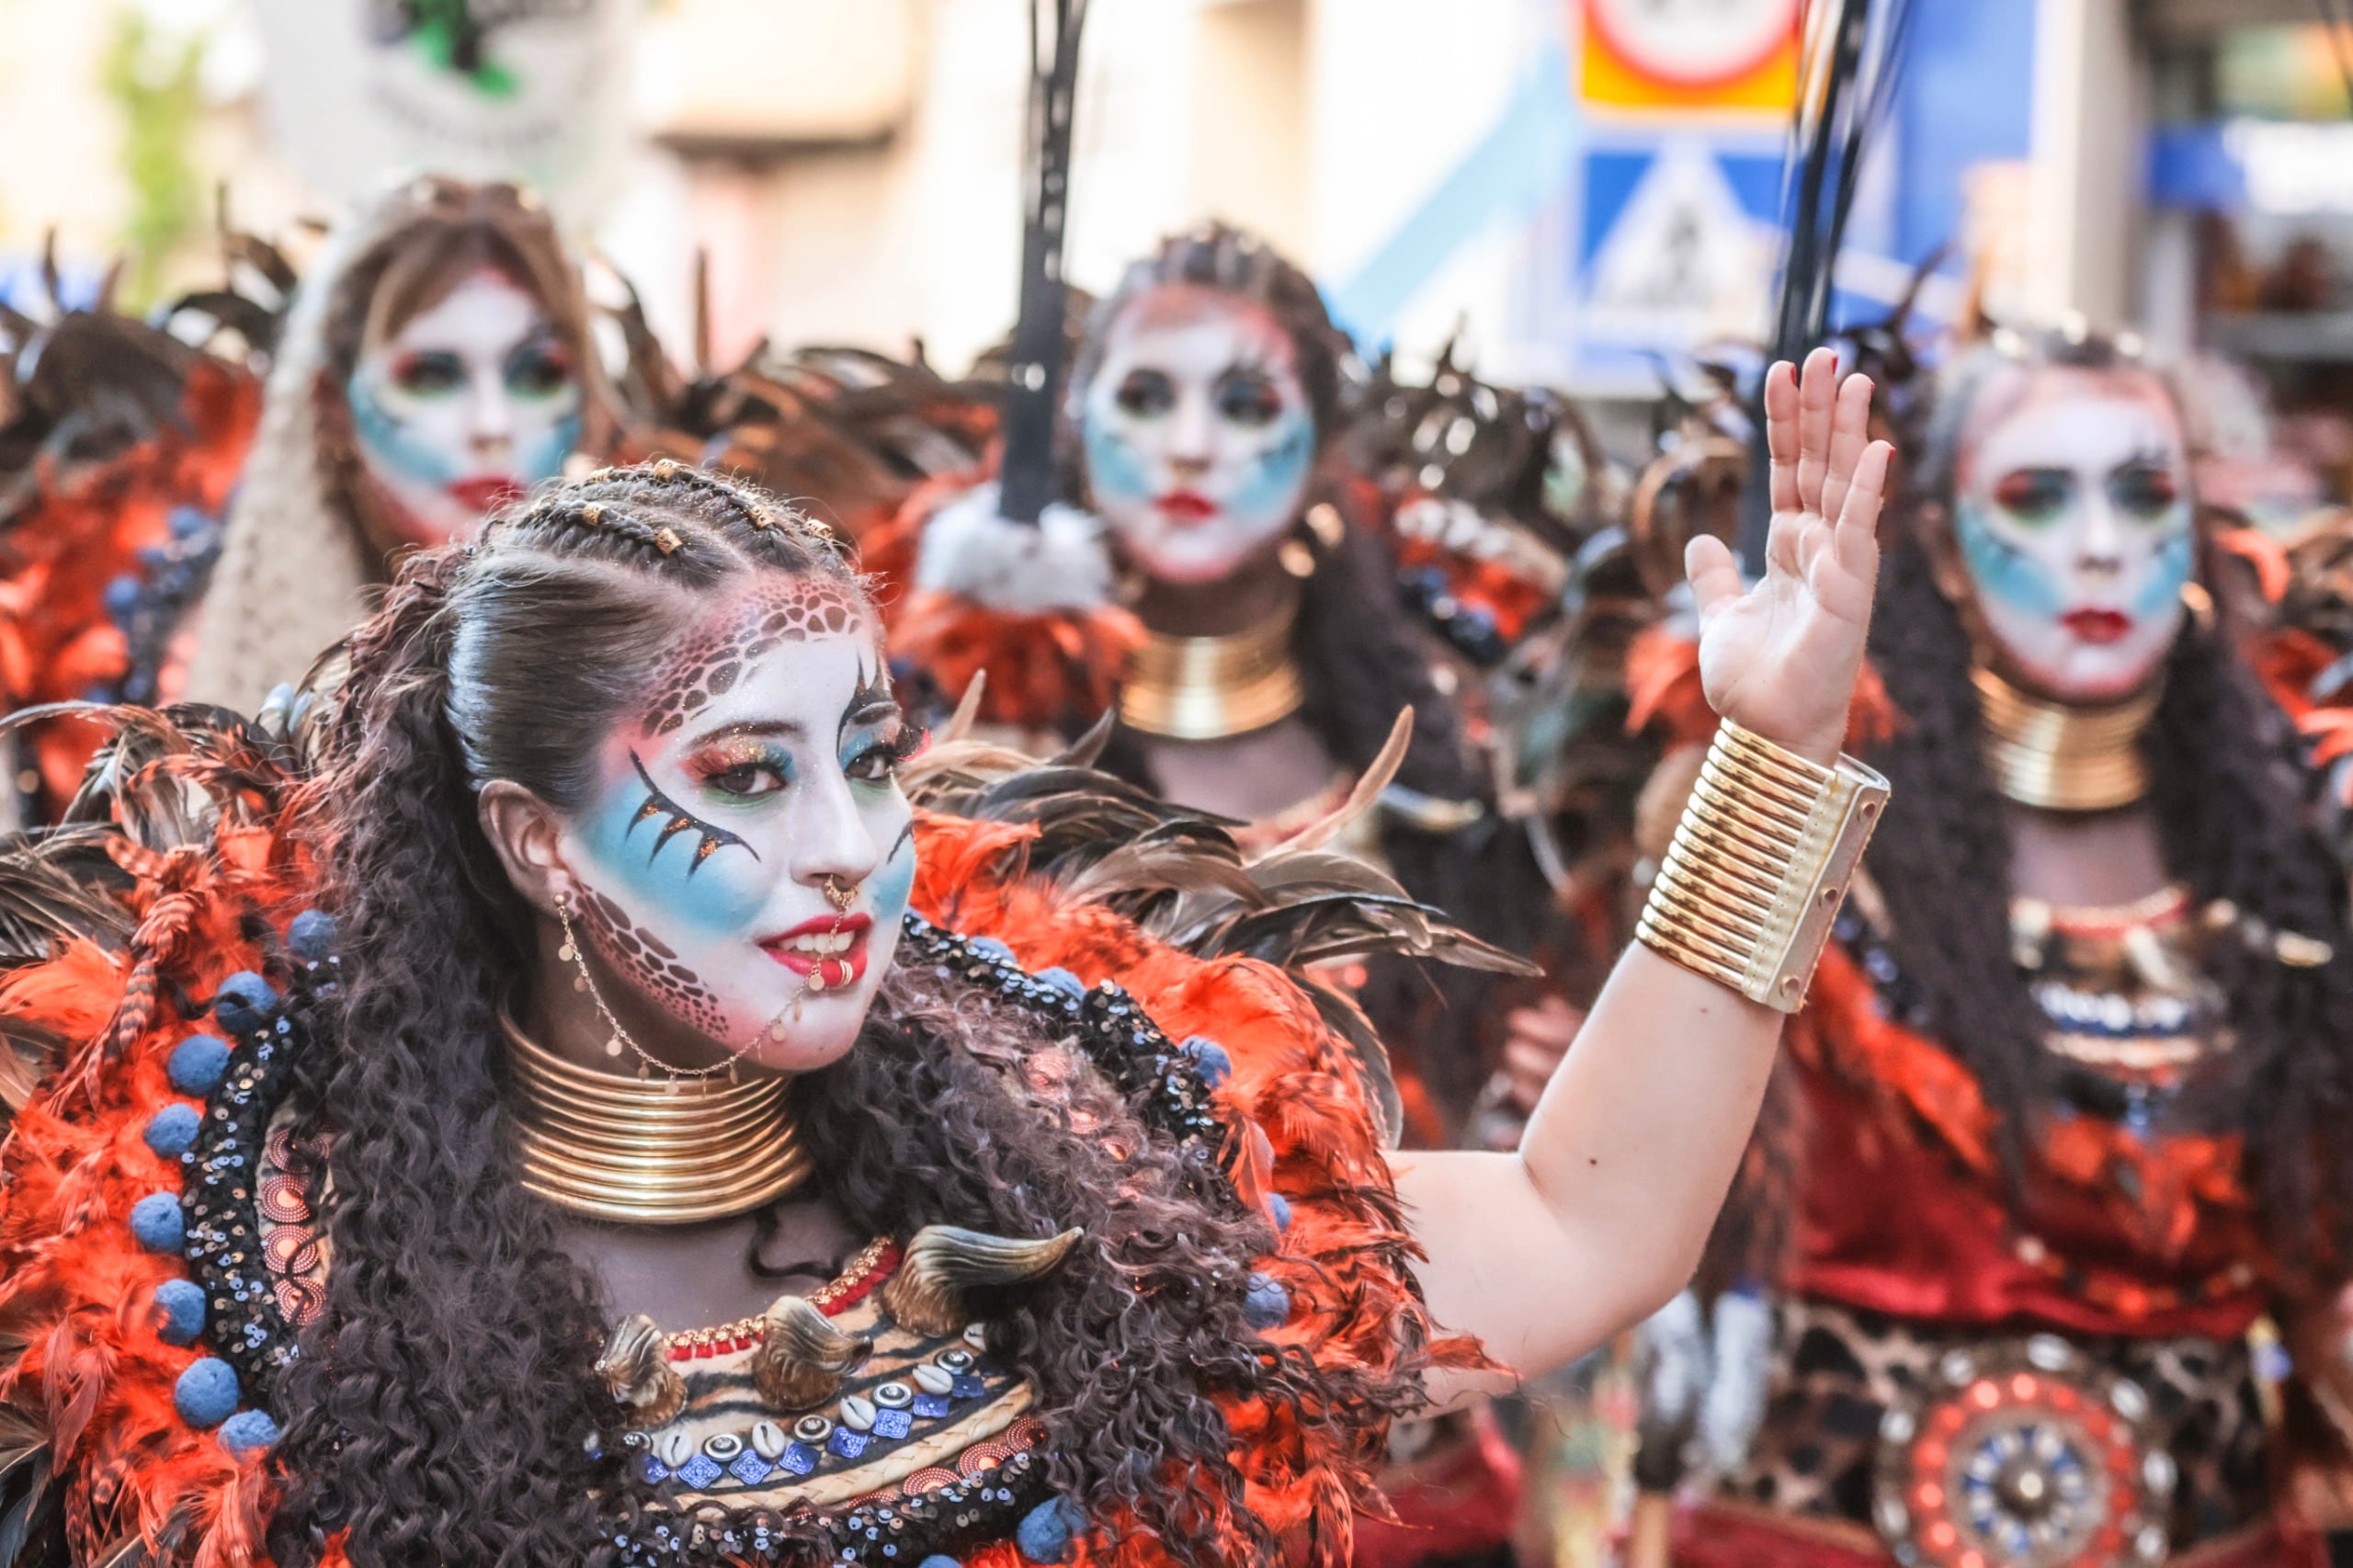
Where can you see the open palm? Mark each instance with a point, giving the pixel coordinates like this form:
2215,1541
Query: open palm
1780,658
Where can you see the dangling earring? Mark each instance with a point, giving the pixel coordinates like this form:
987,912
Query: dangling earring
618,1040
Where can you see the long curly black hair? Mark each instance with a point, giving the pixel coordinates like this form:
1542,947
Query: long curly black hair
2230,805
443,1409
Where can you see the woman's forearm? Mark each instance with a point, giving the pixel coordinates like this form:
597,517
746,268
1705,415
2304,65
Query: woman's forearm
1599,1217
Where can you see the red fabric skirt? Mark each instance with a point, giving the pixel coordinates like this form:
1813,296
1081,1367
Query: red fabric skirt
1724,1535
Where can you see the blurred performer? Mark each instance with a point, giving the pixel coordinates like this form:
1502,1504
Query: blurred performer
2069,1098
437,364
120,445
1267,660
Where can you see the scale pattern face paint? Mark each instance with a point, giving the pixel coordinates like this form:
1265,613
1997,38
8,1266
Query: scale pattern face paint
761,768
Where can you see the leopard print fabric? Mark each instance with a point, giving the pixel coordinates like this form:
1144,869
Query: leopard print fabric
1837,1372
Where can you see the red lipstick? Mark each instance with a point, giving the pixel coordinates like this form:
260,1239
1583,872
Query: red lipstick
486,492
2097,627
846,966
1187,507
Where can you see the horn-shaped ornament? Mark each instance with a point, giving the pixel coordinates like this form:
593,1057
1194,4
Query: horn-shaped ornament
803,1359
636,1368
926,1295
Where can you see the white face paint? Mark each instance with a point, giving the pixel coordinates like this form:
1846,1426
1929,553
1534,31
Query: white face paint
1199,439
2072,516
471,402
763,764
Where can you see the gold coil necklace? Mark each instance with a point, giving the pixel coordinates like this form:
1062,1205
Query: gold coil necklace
2059,757
1207,688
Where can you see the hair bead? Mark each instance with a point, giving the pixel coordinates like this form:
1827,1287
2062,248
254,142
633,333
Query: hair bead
666,539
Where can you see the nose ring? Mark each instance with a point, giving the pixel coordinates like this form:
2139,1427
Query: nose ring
839,893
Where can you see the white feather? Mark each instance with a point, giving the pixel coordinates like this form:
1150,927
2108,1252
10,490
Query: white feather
972,551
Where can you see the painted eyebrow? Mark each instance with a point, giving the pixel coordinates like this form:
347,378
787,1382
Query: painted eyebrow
759,730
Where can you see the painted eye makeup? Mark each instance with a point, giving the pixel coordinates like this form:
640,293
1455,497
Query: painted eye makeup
432,373
2145,491
740,769
877,760
1249,399
1146,395
2036,496
676,819
539,371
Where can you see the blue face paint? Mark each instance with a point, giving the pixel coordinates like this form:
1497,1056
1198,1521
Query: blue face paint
2002,570
2167,574
1115,469
895,884
1277,473
546,460
392,444
722,892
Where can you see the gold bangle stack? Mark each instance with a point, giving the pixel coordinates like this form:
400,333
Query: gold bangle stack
621,1149
1759,865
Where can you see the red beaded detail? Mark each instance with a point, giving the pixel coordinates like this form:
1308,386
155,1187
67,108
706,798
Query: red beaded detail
865,1274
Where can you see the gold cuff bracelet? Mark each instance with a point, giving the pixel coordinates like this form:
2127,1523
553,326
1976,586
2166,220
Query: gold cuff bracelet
1760,863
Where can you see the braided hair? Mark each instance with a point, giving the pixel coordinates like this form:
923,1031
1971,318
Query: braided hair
443,1409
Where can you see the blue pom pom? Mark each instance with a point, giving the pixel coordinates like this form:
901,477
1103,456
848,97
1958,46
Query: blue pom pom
248,1432
206,1394
122,596
183,1304
1063,980
187,522
244,1001
937,1560
989,947
171,1130
311,935
157,1223
1215,1066
1266,1304
1279,1208
1045,1534
198,1063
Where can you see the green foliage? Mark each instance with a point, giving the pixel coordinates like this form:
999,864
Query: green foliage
152,81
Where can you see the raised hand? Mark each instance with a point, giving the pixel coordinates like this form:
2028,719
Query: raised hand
1780,658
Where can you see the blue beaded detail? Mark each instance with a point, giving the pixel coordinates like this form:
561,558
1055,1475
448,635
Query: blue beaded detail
171,1130
207,1394
1064,982
311,935
969,1386
700,1472
1266,1304
198,1063
892,1424
845,1444
800,1458
158,1224
1215,1066
750,1468
1046,1532
248,1432
991,947
931,1406
1278,1207
656,1472
183,1304
245,1003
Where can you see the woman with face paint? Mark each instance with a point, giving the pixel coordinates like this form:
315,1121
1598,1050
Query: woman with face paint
2067,1112
585,1111
435,365
1273,657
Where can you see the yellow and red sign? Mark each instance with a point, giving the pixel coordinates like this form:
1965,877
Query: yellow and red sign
1714,56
